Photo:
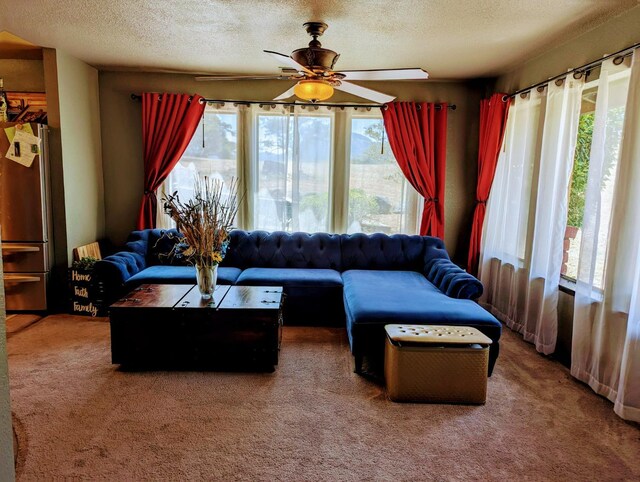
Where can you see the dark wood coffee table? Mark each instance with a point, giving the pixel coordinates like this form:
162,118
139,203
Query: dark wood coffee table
170,326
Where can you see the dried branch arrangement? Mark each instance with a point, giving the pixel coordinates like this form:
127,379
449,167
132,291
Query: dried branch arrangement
205,220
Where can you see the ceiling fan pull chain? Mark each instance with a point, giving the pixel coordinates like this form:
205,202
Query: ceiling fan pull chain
382,144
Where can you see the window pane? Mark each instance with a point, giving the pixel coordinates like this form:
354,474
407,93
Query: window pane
212,152
294,161
608,151
578,187
272,212
378,191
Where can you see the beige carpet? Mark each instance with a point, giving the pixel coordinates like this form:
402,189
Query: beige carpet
313,419
16,323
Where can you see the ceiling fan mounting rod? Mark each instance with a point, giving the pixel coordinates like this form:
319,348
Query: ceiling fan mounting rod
315,29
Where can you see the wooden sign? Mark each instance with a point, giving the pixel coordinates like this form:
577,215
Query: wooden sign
80,286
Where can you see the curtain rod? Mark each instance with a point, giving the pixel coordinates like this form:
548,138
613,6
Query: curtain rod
583,69
273,102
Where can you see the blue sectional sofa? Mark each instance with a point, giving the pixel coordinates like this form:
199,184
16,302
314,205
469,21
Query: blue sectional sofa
366,280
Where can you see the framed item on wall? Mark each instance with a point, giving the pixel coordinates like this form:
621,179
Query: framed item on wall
26,107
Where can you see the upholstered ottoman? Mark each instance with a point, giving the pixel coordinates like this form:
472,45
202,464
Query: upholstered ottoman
436,364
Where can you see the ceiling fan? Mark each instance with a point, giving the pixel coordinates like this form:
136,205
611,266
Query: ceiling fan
312,68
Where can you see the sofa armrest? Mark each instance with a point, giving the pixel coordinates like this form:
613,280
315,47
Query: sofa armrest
452,280
112,272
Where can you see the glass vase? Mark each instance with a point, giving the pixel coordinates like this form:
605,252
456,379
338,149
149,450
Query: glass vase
207,276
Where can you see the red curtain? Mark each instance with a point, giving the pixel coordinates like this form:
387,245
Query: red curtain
417,134
168,124
493,120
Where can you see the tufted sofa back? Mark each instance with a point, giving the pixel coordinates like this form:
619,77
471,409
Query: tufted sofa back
262,249
400,252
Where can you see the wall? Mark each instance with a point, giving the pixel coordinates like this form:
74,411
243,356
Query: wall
6,431
122,140
58,274
79,108
614,35
22,75
565,328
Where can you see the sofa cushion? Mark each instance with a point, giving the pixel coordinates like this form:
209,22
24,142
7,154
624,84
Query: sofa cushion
179,275
290,277
314,296
377,297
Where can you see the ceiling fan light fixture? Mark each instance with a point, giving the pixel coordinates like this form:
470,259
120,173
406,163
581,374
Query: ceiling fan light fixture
313,90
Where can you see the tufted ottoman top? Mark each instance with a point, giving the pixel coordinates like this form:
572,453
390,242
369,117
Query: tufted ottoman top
428,334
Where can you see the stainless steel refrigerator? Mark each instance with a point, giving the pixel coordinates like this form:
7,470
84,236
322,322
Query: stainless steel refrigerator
24,224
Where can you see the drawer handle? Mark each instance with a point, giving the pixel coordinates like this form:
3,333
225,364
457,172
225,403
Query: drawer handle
17,278
19,248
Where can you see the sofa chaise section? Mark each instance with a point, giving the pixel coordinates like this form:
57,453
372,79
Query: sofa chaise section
406,279
373,299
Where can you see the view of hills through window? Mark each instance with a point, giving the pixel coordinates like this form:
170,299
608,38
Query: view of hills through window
293,172
379,195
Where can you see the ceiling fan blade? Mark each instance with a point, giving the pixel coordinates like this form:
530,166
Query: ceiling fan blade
286,61
286,94
370,94
207,78
385,74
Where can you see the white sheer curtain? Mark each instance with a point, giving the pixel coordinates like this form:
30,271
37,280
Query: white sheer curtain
293,168
213,152
521,257
506,234
606,326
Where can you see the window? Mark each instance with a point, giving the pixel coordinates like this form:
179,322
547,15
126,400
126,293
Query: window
307,169
293,171
380,198
610,144
212,152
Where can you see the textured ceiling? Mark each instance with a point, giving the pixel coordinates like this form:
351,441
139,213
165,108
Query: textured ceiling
451,39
